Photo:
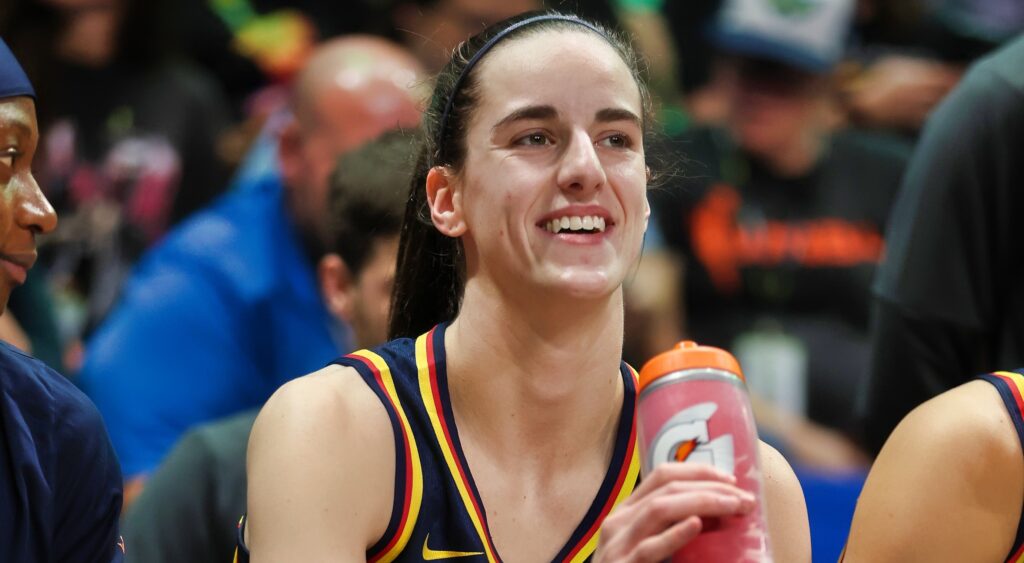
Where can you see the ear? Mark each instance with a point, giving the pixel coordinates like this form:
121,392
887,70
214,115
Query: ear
647,212
289,151
445,202
337,286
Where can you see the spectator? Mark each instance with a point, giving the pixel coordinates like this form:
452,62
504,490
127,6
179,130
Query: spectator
128,137
226,308
59,479
778,217
946,301
190,507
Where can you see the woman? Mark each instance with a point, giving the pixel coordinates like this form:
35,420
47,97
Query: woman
527,212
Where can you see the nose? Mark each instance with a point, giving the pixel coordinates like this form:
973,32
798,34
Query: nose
32,210
580,169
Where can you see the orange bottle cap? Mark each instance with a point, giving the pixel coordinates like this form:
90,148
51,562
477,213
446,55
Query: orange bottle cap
688,355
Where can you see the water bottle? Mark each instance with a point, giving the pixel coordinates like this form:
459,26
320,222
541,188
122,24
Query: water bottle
693,408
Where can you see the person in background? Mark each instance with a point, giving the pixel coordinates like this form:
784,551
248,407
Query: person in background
128,142
227,308
59,478
779,217
947,300
909,55
433,28
190,507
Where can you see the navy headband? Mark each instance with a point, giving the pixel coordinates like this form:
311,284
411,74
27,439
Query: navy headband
13,81
443,125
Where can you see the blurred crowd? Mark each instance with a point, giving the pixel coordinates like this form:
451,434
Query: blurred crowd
229,212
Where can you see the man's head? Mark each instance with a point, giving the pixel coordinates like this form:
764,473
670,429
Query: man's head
366,202
779,56
351,90
24,211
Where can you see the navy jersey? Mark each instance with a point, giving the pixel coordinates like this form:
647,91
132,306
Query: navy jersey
438,512
60,483
1011,388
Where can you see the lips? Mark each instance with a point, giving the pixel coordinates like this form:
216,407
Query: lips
17,264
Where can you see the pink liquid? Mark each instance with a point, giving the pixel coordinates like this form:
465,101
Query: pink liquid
704,416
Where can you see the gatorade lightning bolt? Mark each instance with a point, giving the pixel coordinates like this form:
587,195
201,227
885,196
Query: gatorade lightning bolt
694,408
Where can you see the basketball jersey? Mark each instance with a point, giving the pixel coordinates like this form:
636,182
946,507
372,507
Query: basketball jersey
437,511
1011,388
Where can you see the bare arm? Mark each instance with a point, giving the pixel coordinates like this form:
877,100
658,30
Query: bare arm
321,467
947,486
786,510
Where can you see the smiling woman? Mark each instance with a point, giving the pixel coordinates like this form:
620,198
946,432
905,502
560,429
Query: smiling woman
502,410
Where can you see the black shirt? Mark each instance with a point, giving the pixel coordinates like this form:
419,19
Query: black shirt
949,299
795,252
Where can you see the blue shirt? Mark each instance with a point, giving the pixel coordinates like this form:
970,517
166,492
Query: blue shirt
211,322
60,485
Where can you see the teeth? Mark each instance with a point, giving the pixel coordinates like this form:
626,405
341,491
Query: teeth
576,223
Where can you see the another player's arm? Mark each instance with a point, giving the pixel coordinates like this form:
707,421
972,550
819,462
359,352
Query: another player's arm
320,471
947,486
786,511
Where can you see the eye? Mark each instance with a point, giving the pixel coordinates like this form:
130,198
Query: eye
533,139
618,141
9,157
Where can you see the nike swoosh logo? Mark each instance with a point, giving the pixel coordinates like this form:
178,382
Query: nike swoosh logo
434,555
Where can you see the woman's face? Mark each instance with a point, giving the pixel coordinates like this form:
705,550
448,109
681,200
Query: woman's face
553,190
24,211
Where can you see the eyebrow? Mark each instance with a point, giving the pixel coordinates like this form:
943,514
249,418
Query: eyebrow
606,115
528,112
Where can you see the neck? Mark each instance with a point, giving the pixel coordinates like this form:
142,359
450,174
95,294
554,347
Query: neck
89,37
540,376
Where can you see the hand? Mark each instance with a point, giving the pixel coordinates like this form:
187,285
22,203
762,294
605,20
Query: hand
664,513
900,91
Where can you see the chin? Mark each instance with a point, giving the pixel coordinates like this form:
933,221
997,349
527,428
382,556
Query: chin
587,285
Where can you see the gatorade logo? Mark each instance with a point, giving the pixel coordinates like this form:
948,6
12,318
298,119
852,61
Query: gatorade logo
794,8
685,438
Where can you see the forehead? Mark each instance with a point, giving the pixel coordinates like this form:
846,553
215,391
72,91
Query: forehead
557,67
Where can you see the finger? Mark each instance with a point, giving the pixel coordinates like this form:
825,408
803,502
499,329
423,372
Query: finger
663,545
676,487
664,511
676,471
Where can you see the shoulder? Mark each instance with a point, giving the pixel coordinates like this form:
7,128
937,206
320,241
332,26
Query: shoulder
300,463
335,395
960,425
786,510
951,475
48,395
1000,70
